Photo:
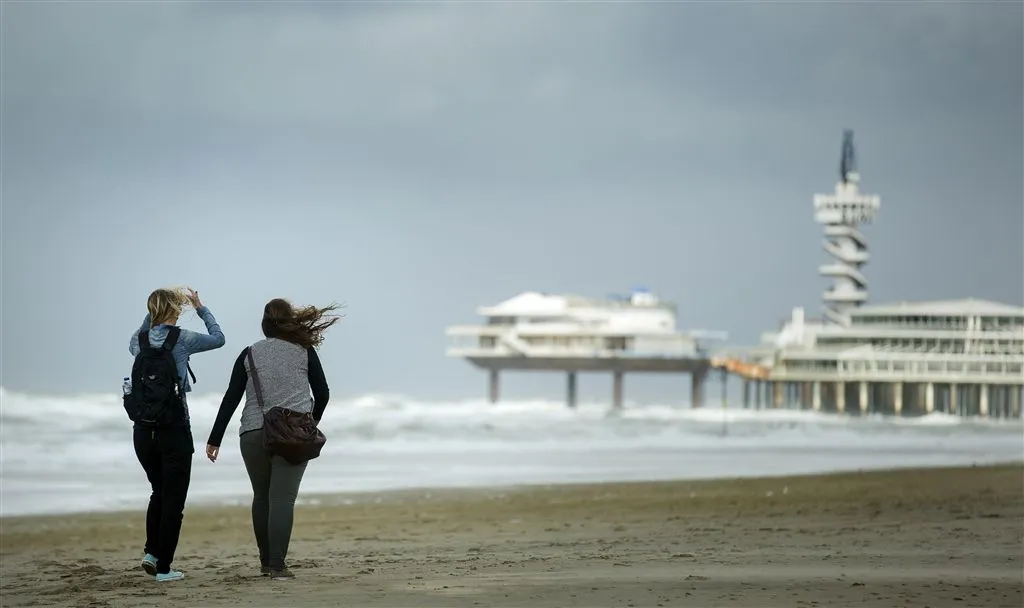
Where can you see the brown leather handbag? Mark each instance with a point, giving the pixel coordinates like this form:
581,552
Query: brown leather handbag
291,435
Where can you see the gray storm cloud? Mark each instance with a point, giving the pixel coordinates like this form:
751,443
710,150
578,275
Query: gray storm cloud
415,161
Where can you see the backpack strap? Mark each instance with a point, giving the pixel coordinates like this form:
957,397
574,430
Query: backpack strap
172,337
173,333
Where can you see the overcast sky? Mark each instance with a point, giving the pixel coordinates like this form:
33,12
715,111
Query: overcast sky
415,161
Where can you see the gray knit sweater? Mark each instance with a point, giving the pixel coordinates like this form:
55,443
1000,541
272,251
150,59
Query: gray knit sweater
287,373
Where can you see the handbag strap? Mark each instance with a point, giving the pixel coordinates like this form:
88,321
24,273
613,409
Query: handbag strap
255,378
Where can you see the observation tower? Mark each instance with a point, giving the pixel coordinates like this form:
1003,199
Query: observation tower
841,213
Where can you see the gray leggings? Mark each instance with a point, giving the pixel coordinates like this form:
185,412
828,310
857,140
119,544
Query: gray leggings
275,484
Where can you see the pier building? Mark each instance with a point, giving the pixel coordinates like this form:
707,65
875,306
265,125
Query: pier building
574,334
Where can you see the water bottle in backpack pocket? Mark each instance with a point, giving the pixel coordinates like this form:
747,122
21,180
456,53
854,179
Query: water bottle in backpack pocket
126,391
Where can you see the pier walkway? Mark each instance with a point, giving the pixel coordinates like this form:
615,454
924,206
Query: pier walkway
863,393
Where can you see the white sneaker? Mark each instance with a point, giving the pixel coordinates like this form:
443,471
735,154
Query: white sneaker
173,575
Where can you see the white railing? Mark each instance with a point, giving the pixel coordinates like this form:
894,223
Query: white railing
511,340
1004,370
508,343
563,352
582,331
960,322
954,348
851,257
863,331
849,272
784,375
878,354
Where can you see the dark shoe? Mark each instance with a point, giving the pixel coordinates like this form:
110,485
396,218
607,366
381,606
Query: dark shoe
284,574
264,570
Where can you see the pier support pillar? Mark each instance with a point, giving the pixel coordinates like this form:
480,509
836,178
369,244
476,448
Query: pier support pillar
758,386
840,396
570,389
725,387
1014,401
746,393
493,392
697,388
863,397
929,397
983,400
816,395
777,388
897,398
953,390
617,390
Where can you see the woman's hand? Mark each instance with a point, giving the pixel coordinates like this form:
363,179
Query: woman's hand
212,452
193,298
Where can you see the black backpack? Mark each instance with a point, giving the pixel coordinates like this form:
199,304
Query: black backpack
155,397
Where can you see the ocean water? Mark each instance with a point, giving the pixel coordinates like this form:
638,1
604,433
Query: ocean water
73,454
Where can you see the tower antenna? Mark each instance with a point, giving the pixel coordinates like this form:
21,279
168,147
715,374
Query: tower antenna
848,159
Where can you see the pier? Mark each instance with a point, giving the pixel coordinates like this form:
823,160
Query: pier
807,365
961,357
572,334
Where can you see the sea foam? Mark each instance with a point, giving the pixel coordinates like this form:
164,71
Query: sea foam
67,454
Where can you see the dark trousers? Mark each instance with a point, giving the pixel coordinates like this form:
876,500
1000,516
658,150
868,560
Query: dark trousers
275,485
166,457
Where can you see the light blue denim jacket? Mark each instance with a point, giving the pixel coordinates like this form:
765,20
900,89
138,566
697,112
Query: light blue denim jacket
189,342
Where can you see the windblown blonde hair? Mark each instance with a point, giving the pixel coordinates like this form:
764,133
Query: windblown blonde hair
165,304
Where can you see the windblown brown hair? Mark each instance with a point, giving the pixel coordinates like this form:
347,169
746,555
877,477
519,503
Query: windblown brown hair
303,326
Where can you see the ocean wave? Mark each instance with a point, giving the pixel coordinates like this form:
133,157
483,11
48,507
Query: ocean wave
66,453
379,418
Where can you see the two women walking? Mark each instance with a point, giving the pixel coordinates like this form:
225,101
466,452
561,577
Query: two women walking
279,371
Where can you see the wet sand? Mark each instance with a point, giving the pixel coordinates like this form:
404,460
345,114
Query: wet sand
939,537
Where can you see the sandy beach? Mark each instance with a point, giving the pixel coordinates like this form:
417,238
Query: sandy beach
940,537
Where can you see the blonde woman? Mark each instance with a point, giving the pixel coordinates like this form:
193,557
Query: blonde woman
163,432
